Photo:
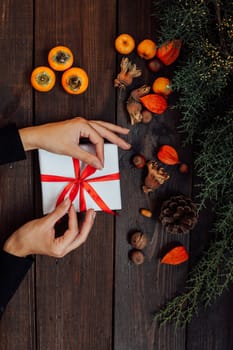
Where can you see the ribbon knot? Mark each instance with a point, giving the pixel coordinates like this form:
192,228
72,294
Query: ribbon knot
81,183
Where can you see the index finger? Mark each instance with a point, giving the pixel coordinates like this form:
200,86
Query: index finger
95,138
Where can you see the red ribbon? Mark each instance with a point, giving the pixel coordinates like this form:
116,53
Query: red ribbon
80,183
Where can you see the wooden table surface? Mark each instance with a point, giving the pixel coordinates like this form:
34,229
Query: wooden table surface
94,298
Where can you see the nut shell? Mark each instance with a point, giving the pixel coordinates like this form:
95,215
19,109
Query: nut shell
137,256
139,161
139,240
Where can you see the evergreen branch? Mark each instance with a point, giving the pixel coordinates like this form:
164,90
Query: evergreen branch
203,81
208,278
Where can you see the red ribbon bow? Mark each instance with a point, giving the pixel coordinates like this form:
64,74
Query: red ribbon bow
81,183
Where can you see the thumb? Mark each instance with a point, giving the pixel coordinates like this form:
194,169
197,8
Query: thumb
59,211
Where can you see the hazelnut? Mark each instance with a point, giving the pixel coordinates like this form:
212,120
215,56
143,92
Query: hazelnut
183,168
155,65
138,240
146,116
139,161
137,256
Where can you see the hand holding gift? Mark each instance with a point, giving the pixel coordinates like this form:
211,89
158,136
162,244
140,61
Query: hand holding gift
38,236
64,138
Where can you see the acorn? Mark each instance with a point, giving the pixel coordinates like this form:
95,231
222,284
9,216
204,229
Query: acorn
139,161
139,240
137,256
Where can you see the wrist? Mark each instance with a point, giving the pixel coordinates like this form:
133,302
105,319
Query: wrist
28,138
14,247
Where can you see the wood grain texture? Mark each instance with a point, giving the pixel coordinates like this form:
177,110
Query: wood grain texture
95,298
141,290
74,295
17,331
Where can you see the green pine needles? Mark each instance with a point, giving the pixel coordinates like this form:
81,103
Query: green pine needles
203,79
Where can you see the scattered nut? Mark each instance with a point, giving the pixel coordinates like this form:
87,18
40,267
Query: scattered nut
146,116
139,161
137,256
155,65
139,240
183,168
146,212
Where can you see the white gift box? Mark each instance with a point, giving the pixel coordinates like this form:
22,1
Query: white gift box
99,190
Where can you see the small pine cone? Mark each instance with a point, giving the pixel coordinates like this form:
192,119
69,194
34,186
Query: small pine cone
178,214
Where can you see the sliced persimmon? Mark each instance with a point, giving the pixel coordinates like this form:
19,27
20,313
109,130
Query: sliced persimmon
43,78
75,80
60,58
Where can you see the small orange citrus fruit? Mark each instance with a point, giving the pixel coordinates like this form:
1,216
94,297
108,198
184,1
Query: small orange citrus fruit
146,49
124,44
162,86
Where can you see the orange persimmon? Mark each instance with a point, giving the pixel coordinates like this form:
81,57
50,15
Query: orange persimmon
75,80
176,256
43,78
154,103
168,155
162,86
60,58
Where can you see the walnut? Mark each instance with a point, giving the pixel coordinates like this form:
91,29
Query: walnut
155,178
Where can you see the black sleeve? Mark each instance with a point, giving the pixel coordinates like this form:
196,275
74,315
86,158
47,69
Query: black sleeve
12,268
11,147
12,271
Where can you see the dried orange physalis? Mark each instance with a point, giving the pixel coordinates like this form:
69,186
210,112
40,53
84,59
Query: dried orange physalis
169,51
154,103
168,155
75,81
60,58
176,256
43,78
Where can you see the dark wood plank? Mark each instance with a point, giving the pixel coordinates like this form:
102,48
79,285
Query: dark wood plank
74,295
16,200
140,290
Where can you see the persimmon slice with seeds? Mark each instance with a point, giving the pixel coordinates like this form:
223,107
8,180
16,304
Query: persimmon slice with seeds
60,58
75,81
43,78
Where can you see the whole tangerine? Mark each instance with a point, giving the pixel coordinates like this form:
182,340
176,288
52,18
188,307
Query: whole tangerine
162,85
124,44
146,49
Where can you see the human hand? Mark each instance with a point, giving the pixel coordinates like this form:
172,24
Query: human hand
38,236
64,138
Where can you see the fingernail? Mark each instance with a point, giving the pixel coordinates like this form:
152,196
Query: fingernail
93,215
97,165
66,202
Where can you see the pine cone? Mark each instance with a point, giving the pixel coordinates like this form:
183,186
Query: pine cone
178,214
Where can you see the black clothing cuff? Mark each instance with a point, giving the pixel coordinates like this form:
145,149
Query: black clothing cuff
11,147
12,271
